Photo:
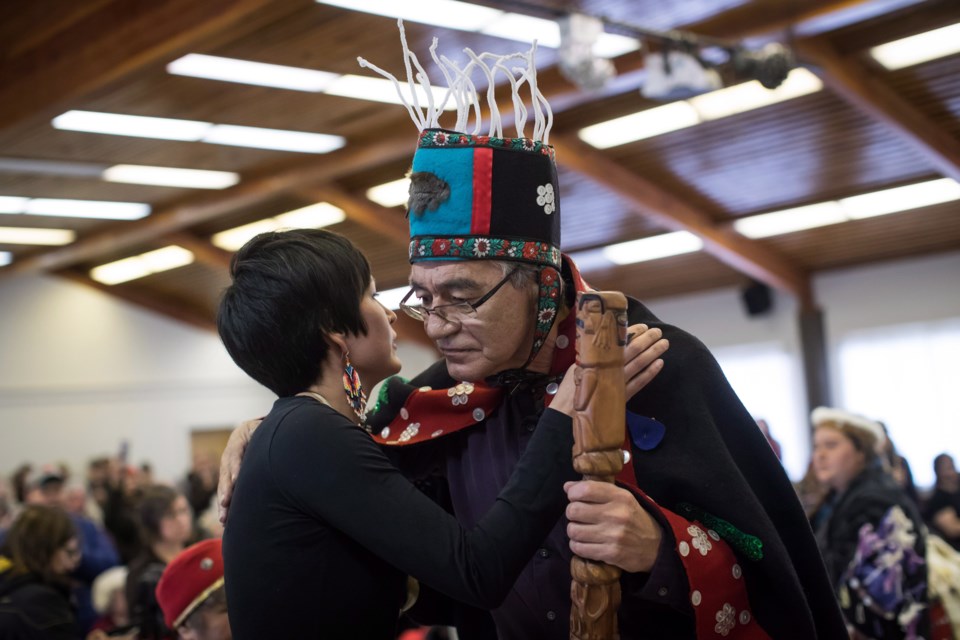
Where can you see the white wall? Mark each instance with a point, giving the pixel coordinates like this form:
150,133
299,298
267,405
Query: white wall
914,297
80,371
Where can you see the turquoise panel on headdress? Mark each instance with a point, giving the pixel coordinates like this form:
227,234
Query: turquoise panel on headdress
454,216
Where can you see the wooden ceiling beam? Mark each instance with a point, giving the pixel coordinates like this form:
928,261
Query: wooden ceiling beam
165,306
203,251
389,223
279,179
860,87
250,192
109,43
673,213
751,19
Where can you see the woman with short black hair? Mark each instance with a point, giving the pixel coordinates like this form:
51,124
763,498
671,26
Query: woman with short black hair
323,530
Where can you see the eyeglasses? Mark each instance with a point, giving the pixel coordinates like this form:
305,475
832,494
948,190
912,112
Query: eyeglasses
453,312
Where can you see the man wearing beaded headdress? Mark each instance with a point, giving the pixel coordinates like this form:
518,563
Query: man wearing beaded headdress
704,524
703,521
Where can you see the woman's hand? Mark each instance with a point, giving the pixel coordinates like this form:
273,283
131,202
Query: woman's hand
642,363
641,357
230,464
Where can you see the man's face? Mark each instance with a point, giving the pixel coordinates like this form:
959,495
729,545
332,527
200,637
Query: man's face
209,623
499,337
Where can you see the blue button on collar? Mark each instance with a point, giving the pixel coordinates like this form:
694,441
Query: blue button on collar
646,433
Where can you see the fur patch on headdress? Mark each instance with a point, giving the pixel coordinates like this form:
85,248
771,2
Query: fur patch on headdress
427,192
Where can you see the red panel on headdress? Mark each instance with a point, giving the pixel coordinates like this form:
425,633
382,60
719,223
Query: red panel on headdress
482,179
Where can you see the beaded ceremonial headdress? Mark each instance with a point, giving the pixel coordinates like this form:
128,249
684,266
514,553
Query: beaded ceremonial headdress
481,196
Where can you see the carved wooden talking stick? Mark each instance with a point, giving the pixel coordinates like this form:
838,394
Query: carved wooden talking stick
598,430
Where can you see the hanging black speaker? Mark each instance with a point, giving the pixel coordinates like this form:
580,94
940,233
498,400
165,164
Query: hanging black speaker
757,299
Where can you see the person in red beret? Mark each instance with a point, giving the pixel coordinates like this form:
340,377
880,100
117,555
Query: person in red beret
191,593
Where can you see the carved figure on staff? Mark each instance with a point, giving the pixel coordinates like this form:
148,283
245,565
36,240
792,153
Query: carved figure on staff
598,428
703,522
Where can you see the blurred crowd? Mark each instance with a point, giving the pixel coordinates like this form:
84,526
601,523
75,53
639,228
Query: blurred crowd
81,556
113,553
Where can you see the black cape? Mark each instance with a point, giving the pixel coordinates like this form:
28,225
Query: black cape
713,457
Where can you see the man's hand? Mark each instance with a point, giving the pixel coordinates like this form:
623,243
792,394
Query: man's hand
641,356
607,524
230,464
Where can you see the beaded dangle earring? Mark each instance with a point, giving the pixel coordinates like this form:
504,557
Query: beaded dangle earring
354,389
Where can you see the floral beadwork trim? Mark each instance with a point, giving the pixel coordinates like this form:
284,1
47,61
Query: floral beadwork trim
433,139
477,248
548,305
750,546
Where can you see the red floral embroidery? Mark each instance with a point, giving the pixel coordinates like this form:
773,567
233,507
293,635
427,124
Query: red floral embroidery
440,247
530,250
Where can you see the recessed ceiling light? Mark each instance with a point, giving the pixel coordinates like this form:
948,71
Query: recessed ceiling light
383,90
524,28
198,65
790,220
914,196
142,265
277,139
34,236
687,113
193,131
922,47
877,203
5,258
653,248
440,13
314,216
106,210
137,126
13,204
752,95
233,239
637,126
464,16
171,176
390,194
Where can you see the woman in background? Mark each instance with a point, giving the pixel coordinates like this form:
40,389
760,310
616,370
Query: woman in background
40,551
943,508
869,531
166,527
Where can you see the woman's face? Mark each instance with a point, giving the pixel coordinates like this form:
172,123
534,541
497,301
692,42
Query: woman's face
177,524
374,355
66,558
836,461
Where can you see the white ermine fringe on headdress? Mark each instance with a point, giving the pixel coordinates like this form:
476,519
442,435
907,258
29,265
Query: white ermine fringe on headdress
464,92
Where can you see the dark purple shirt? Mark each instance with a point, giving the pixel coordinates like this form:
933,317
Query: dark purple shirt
479,462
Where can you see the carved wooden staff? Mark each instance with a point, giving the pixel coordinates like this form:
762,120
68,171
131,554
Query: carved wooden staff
598,430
